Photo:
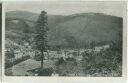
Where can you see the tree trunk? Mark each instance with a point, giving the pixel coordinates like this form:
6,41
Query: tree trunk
48,54
42,60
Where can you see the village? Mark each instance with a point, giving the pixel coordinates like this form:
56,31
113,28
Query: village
27,50
25,54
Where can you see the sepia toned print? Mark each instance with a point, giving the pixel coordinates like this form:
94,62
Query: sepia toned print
64,39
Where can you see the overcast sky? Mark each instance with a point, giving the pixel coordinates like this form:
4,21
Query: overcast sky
67,8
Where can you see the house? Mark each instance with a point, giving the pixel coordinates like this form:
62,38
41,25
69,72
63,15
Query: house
98,48
106,47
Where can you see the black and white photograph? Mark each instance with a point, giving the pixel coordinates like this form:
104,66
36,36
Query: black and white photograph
60,39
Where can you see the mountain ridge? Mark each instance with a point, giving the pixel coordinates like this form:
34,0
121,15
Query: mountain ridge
84,27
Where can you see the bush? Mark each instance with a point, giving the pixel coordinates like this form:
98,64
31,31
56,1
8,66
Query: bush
106,63
70,59
67,68
45,72
60,61
37,57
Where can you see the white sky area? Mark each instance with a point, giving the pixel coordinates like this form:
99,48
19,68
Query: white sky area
68,8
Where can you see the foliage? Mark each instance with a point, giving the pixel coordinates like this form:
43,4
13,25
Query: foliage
45,72
16,61
10,54
105,63
41,34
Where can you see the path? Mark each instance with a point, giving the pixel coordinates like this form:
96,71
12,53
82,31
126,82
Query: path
21,68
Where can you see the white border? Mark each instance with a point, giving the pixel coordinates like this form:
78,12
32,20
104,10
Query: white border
33,79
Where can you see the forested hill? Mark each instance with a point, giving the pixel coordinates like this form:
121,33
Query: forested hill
64,30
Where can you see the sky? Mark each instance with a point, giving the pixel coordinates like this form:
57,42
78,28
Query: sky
68,8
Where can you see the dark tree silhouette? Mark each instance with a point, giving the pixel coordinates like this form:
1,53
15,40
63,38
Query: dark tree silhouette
41,35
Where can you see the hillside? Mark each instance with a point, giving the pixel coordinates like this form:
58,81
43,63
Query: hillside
83,28
90,28
29,16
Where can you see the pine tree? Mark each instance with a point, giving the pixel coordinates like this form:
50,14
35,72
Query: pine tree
41,35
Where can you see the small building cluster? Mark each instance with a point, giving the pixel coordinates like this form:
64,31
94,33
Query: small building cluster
25,50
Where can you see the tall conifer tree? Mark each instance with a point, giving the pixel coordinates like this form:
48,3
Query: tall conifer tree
41,34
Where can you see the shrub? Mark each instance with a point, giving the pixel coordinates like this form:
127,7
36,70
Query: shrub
45,72
106,63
